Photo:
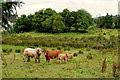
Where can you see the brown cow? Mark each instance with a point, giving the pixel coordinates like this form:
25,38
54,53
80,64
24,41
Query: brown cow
62,56
51,54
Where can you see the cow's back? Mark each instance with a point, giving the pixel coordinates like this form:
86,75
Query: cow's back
54,54
29,51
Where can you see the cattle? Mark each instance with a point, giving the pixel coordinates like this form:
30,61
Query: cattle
70,56
51,54
30,52
62,56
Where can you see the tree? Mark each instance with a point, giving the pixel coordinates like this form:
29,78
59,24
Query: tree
108,21
8,9
66,15
99,21
84,19
22,24
37,19
58,24
54,24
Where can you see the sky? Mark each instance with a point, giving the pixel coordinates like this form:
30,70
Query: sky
94,7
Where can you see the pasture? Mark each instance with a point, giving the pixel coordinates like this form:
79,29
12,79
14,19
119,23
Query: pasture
79,67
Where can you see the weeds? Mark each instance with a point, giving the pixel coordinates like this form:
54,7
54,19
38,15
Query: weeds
104,65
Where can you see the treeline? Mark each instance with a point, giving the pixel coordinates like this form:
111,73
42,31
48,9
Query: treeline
108,21
52,22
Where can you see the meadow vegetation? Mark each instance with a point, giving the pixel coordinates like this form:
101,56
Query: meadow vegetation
90,50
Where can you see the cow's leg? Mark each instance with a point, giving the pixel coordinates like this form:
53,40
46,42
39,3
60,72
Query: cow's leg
24,58
48,60
28,59
60,60
65,60
38,60
35,59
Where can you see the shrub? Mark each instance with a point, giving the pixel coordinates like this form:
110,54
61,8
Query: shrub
4,50
80,52
104,33
53,49
64,49
68,49
17,50
90,54
89,57
10,50
59,48
88,49
75,54
32,47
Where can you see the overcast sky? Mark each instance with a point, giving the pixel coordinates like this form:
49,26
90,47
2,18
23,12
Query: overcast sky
95,7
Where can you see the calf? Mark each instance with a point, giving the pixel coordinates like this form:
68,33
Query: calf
29,52
70,56
62,56
51,54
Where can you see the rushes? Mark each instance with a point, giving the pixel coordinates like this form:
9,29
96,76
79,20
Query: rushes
104,65
116,69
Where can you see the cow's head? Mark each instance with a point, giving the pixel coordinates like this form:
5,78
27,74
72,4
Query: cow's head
45,52
39,51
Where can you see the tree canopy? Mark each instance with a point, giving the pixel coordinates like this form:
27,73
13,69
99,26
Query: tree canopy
8,9
49,20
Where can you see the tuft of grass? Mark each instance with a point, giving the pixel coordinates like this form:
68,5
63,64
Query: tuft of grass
80,52
75,54
18,50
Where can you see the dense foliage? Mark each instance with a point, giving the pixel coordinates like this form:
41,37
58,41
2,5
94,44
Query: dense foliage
52,22
108,21
9,9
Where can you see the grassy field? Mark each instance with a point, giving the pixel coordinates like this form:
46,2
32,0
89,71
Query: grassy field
79,67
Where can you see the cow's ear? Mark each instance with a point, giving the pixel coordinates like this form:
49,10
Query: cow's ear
45,53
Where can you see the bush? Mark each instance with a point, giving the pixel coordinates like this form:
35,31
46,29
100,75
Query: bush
17,50
88,49
10,50
68,49
89,57
104,33
90,54
4,50
53,49
64,49
80,52
59,48
32,47
75,54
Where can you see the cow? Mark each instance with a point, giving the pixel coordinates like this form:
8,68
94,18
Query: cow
62,56
51,54
30,52
70,56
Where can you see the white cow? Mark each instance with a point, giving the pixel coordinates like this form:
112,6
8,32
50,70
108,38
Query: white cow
30,52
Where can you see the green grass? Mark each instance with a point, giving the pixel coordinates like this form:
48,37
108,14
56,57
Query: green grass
78,67
72,69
